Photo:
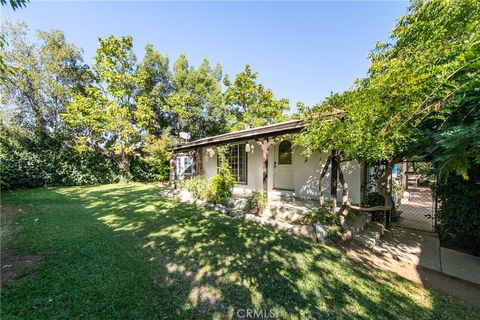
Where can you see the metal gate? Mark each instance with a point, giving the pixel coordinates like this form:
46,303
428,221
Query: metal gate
416,204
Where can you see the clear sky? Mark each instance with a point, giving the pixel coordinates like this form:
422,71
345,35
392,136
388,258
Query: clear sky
302,50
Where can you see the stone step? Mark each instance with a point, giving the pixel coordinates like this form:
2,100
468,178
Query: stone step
369,237
365,240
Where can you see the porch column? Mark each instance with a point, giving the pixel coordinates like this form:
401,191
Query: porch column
333,179
405,174
265,144
194,162
199,169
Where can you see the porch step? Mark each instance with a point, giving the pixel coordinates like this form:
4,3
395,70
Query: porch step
281,195
370,235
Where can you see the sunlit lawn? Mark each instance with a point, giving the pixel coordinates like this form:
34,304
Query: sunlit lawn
122,251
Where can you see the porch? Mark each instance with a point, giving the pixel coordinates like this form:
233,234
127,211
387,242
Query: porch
264,159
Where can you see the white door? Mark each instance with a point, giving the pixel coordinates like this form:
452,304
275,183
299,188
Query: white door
283,168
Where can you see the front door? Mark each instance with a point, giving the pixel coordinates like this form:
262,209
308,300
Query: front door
283,168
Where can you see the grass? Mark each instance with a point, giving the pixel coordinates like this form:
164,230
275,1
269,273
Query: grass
122,251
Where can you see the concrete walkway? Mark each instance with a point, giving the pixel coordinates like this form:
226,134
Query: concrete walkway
423,249
460,265
417,256
428,278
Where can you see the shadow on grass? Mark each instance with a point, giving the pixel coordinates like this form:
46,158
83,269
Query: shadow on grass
130,253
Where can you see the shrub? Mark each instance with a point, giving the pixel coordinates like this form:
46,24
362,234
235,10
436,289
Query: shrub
220,186
459,209
180,183
323,215
256,202
26,163
142,171
332,232
196,186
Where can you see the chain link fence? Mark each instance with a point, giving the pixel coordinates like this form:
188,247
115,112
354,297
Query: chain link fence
416,206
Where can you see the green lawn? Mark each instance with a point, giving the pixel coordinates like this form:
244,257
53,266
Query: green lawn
122,251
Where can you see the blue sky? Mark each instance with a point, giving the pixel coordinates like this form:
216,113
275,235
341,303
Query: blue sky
302,50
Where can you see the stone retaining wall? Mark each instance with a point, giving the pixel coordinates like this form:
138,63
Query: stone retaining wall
316,233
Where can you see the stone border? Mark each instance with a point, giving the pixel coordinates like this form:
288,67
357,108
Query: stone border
316,233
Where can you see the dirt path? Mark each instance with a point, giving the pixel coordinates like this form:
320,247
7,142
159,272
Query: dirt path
11,264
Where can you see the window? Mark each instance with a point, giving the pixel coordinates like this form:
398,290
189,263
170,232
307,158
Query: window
285,152
184,165
237,161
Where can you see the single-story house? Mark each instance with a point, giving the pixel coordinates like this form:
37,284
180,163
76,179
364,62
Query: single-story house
264,157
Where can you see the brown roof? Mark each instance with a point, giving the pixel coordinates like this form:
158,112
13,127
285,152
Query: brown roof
274,130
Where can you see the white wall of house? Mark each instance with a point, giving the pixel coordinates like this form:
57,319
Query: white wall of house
306,173
209,162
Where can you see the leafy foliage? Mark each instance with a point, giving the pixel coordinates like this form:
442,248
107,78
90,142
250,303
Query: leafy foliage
256,202
374,199
4,69
158,155
41,78
153,84
251,105
196,104
323,215
459,209
421,86
107,117
117,110
220,186
15,4
197,186
25,165
33,137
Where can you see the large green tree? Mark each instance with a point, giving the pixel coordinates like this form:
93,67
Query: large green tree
34,140
196,103
40,80
109,116
154,86
251,104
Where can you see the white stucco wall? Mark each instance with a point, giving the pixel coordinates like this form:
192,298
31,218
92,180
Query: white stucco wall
306,173
209,162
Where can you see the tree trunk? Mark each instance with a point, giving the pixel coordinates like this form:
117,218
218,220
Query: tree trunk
345,201
333,179
199,170
382,184
321,190
364,183
124,166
